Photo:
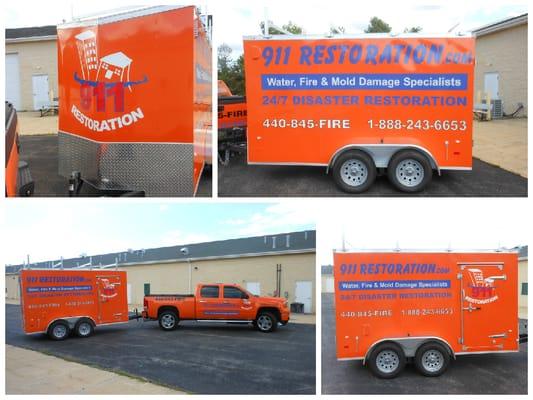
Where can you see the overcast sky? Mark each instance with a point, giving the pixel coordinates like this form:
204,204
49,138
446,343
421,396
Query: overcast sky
59,228
235,18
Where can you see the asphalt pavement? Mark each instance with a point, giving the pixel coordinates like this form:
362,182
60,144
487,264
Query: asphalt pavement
41,154
240,179
504,373
197,358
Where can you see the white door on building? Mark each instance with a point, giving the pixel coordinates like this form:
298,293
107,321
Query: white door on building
129,293
41,91
254,288
492,83
304,294
330,285
13,80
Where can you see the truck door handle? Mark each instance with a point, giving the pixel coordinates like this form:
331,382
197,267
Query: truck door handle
498,335
203,301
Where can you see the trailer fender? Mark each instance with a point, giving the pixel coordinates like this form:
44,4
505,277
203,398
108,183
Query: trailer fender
381,154
410,345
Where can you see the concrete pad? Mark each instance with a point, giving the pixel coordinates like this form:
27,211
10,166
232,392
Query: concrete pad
31,123
502,143
302,319
30,372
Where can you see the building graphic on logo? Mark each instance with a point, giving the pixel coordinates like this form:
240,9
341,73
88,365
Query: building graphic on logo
115,68
88,53
108,290
482,290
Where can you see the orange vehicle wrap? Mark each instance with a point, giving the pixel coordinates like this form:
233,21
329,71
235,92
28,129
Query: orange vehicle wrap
12,162
231,112
309,98
198,307
468,300
49,295
129,81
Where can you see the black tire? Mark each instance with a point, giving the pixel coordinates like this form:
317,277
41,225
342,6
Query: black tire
432,359
387,360
359,161
418,176
266,322
168,320
84,328
59,330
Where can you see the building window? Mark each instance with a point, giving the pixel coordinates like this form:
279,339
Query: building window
147,289
231,292
524,288
209,292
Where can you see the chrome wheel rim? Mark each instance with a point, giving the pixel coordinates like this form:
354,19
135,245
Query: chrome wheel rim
432,360
84,329
409,172
168,321
387,361
264,323
354,172
60,331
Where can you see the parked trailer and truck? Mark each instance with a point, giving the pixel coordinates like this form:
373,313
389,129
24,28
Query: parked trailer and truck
59,302
359,105
424,306
135,109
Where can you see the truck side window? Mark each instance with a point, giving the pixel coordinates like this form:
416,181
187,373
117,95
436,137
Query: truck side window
231,292
209,291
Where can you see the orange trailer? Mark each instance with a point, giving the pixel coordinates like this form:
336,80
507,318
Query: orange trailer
428,306
359,104
135,100
57,302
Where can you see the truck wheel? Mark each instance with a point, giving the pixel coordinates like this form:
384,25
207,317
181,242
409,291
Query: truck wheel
168,320
266,322
432,359
409,171
387,360
354,171
84,328
59,330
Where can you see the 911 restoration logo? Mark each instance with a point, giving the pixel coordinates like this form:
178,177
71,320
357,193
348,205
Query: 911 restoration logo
102,85
482,290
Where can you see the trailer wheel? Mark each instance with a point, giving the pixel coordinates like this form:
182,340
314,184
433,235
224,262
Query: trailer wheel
387,360
59,330
354,171
84,328
266,322
409,171
168,320
432,359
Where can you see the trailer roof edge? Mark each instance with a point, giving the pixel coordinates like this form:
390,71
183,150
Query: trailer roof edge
360,36
107,18
489,251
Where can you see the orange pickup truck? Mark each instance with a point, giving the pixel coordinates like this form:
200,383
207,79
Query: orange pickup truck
217,303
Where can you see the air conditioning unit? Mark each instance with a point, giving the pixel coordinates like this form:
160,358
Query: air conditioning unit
497,108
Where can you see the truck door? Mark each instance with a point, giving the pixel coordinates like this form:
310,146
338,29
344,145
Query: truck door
237,304
110,299
209,303
484,326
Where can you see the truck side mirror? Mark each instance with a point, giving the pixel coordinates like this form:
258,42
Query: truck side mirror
244,296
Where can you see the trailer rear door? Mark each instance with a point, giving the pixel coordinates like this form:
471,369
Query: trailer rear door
111,299
484,288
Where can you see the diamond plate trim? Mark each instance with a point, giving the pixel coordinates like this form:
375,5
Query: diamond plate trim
158,169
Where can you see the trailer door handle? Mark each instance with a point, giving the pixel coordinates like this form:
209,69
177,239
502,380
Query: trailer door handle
470,308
